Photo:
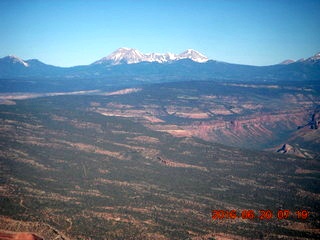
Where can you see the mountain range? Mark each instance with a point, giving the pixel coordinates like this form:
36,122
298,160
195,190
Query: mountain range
130,55
155,67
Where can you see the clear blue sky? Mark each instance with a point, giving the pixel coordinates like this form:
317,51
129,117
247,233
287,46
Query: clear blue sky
68,33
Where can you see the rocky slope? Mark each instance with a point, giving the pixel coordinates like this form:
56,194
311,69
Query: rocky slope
306,139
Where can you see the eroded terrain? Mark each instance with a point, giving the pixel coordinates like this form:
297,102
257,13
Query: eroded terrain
253,116
92,167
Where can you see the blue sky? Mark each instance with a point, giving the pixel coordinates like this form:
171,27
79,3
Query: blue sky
68,33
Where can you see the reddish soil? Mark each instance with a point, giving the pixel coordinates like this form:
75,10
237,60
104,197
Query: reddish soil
19,236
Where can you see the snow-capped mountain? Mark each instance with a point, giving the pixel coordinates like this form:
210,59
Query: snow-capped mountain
123,55
315,57
14,60
130,55
193,55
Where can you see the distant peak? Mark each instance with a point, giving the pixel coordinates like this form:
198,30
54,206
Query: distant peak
122,55
315,57
16,60
193,55
286,62
14,57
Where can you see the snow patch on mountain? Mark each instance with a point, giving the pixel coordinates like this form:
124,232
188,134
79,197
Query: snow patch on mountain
315,57
15,60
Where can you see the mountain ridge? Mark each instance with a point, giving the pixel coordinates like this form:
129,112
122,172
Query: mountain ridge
153,57
156,67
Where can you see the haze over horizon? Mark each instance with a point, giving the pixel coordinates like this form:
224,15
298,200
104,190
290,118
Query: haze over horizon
69,33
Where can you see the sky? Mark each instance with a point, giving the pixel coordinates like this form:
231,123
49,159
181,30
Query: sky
68,32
